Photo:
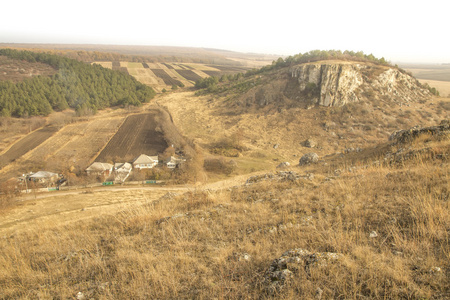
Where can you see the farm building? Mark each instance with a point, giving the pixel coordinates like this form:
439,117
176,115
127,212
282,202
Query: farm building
122,171
145,162
44,177
98,168
172,162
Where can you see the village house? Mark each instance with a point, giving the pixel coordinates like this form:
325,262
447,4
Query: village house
172,162
100,169
145,162
44,178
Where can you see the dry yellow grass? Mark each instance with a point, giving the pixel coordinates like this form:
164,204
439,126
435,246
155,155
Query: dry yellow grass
442,86
192,245
104,64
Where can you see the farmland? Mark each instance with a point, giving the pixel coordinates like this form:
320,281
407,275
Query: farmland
26,144
74,145
165,75
139,134
168,80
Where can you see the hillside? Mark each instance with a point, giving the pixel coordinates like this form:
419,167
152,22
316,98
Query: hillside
312,178
322,82
74,84
375,229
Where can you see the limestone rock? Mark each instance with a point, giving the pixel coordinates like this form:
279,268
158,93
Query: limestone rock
340,83
284,164
308,158
336,83
310,143
282,269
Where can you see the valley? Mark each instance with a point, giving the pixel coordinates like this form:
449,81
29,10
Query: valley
246,215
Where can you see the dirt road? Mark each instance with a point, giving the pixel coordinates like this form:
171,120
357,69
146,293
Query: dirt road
48,209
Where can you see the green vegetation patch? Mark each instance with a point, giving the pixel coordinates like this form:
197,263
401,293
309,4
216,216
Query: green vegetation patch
84,87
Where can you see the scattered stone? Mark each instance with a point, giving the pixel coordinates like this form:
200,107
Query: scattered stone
168,196
282,269
308,158
408,135
435,270
351,149
276,146
310,143
283,165
319,293
373,234
80,296
329,124
240,256
279,175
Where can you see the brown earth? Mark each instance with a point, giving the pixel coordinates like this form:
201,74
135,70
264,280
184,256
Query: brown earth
139,134
26,144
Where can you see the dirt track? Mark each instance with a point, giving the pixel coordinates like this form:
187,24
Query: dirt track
70,206
26,144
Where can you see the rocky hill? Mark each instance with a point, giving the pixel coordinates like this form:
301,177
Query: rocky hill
334,83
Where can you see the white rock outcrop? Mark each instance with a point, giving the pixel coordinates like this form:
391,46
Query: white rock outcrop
339,83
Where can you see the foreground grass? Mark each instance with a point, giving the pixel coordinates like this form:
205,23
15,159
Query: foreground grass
219,244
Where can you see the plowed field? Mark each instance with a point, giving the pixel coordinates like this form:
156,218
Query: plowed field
189,75
26,144
137,135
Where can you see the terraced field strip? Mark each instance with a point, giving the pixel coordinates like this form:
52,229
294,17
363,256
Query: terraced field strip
146,76
26,144
134,65
176,76
202,74
229,69
168,66
104,64
75,144
137,135
155,66
168,80
212,73
189,75
201,67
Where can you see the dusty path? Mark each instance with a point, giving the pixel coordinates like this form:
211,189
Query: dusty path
48,209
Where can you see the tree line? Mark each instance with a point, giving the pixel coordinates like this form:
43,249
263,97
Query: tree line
83,87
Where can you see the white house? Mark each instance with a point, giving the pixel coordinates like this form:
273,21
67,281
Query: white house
172,162
44,177
145,162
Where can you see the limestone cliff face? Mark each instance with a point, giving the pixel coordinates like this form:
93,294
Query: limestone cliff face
336,84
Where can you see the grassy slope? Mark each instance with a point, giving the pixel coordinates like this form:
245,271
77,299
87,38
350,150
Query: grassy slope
199,252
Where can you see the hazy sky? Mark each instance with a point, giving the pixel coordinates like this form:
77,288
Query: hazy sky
400,31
